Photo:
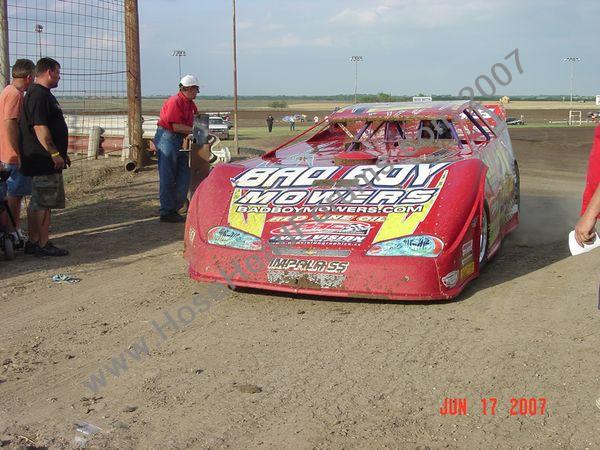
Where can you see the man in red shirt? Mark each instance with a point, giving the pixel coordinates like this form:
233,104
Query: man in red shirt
585,230
175,123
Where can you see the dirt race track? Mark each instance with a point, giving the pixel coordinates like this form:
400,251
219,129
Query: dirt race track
258,370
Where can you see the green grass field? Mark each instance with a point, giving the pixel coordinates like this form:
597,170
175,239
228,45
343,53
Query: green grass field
260,138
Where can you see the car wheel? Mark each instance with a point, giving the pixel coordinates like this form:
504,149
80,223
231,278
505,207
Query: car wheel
484,238
239,289
517,187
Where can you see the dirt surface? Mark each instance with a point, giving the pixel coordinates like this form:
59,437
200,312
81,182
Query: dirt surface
546,115
258,370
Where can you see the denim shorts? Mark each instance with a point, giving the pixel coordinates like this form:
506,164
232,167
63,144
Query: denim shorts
17,185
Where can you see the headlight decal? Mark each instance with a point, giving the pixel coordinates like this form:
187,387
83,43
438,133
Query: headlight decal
418,245
230,237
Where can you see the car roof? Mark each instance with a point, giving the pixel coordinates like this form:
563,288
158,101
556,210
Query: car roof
403,110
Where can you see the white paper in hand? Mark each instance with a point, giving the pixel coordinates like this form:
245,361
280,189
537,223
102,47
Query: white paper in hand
576,249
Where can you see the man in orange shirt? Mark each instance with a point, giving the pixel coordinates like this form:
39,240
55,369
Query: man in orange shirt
11,104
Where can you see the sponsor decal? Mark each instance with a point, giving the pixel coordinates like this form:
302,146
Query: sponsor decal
308,265
323,239
325,217
306,280
406,223
296,218
335,208
467,253
311,251
333,227
273,189
467,270
318,197
250,223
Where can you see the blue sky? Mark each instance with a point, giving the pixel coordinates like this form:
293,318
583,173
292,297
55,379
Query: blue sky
301,47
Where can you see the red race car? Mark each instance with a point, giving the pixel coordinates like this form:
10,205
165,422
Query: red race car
400,201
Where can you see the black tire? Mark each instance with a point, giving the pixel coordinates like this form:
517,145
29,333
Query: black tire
517,187
8,247
239,289
484,238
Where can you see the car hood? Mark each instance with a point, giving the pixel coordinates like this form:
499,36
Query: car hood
339,208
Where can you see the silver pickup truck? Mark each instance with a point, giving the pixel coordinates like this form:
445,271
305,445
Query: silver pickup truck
218,127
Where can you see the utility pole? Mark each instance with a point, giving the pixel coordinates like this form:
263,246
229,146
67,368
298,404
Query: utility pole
38,29
179,54
356,59
235,93
572,60
134,82
4,60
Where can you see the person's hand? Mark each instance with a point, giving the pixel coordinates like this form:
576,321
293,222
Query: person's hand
187,141
68,161
585,231
59,162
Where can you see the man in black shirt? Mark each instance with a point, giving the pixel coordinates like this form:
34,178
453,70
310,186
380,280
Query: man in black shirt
43,152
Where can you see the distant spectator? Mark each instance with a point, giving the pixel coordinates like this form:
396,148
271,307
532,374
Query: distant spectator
292,123
270,121
585,230
316,119
11,106
175,123
43,153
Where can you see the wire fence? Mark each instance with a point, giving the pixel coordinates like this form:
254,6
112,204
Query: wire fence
87,37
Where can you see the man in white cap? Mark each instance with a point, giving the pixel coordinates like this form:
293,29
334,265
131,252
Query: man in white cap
175,123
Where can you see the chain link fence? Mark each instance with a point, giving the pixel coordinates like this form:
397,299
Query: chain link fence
87,37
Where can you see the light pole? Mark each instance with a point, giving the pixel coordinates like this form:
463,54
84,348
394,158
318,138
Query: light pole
4,59
179,54
235,87
572,60
38,29
356,59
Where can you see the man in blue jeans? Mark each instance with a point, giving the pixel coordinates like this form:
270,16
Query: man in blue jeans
174,124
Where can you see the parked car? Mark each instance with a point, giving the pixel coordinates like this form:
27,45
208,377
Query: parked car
364,207
297,118
514,121
218,126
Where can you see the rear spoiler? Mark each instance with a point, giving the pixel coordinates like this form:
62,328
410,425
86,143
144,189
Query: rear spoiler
271,153
497,108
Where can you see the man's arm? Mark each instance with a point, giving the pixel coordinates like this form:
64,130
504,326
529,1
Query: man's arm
181,128
43,134
585,229
12,126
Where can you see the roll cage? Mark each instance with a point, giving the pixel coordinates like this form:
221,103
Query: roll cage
465,128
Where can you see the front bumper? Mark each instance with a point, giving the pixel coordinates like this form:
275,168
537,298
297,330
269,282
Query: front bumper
388,278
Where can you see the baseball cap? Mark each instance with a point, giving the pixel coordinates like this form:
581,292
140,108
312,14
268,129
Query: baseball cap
189,80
